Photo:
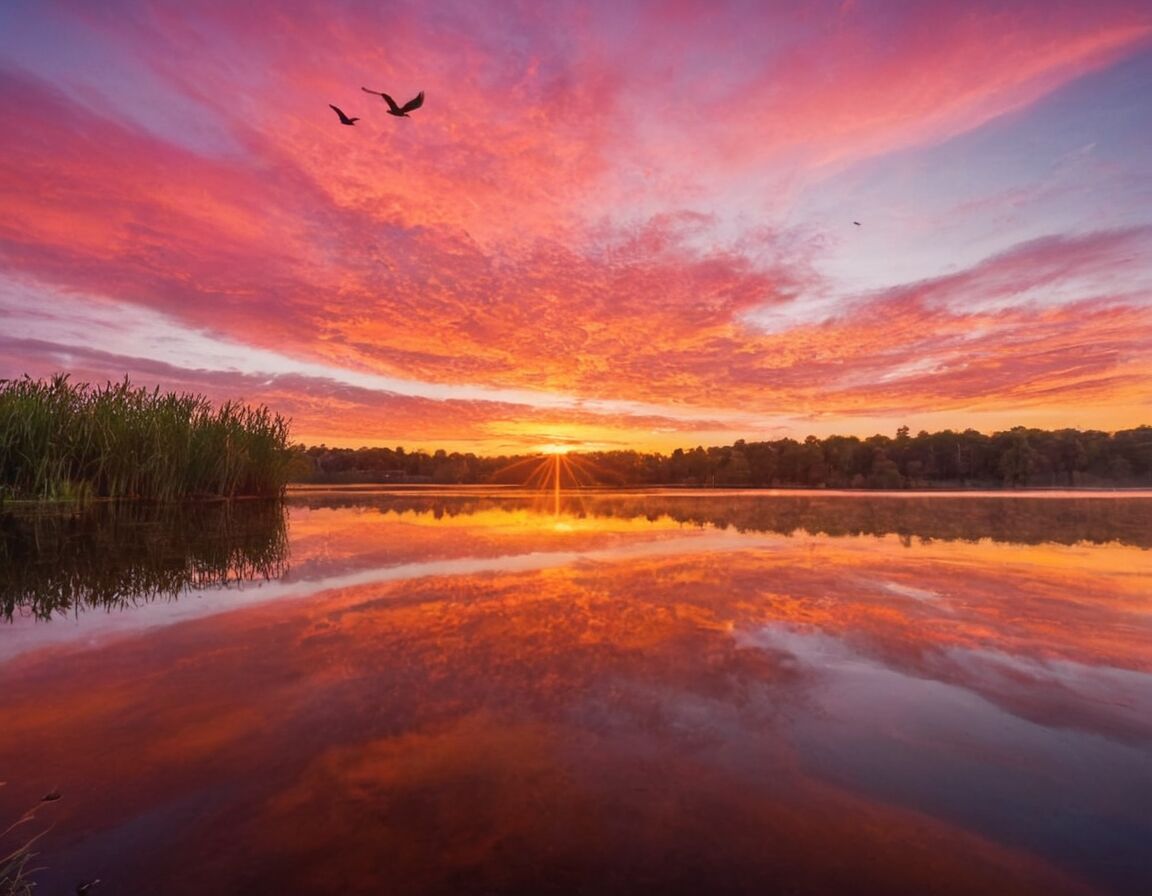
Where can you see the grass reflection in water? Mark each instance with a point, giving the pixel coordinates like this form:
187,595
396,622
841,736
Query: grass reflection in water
116,555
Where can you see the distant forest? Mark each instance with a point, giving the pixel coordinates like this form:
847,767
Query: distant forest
1013,458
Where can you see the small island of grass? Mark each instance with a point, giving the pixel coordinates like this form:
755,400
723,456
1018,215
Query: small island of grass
61,440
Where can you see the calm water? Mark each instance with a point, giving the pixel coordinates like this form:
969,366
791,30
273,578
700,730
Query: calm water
689,692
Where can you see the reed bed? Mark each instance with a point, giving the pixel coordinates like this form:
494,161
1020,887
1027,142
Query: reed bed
65,440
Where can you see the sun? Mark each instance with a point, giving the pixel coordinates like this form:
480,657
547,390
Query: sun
554,448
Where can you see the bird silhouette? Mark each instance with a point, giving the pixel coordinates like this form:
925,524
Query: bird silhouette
399,111
344,119
50,797
857,223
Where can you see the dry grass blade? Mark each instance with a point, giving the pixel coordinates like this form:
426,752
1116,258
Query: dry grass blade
15,871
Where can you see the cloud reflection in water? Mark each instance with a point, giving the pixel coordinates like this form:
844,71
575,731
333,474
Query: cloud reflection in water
624,704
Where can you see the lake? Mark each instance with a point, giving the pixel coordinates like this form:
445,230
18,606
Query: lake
478,691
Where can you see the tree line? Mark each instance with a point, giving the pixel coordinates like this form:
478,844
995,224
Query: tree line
1016,457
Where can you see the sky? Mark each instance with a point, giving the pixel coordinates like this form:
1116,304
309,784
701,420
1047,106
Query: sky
610,225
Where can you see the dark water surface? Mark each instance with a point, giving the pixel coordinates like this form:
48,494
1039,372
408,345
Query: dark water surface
649,692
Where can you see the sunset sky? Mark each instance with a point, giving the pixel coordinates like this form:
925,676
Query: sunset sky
611,224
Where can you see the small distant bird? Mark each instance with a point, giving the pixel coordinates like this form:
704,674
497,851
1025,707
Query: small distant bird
344,119
399,111
857,223
50,797
86,885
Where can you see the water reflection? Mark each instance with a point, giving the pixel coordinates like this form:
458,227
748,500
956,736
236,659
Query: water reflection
114,556
470,694
1065,518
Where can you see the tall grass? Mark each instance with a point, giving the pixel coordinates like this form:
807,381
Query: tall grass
60,439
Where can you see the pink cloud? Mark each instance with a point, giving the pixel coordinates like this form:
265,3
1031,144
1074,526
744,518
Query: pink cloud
555,218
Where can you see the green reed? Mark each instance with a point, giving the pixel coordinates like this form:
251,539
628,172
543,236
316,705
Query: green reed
65,440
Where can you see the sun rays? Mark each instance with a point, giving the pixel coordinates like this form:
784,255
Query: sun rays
553,471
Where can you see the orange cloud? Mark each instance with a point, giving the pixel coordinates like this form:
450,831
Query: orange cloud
565,218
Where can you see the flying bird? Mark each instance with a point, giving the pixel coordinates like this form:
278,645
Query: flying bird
399,111
344,119
857,223
50,797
